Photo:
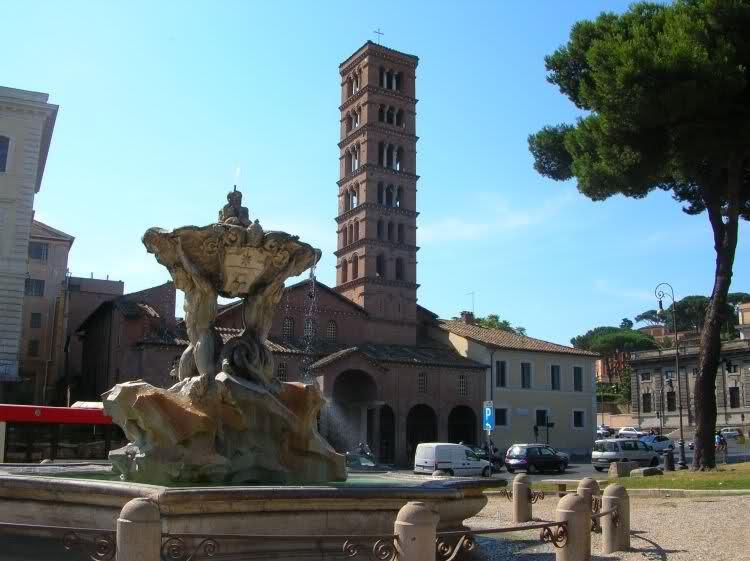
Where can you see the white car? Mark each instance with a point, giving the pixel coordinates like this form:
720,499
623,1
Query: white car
659,443
622,450
730,432
630,432
453,459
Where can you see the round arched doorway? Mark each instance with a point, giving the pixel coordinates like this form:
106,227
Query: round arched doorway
354,391
462,425
421,426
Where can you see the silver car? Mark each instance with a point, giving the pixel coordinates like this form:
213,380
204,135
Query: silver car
622,450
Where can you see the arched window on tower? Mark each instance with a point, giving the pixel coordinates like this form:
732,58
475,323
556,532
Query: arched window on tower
380,265
389,80
356,231
400,118
399,159
390,116
349,87
351,233
287,329
381,153
381,193
344,271
389,196
380,229
399,269
349,122
397,82
355,266
381,113
390,156
400,233
382,77
399,193
344,238
331,331
348,161
353,197
4,153
390,231
282,372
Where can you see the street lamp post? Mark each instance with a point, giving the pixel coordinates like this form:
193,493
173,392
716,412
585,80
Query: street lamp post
660,293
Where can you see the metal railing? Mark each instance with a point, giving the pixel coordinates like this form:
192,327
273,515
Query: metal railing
534,496
98,544
450,544
195,547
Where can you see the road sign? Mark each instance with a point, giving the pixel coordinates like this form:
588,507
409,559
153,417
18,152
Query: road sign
489,416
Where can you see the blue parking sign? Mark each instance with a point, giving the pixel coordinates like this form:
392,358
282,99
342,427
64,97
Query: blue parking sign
489,416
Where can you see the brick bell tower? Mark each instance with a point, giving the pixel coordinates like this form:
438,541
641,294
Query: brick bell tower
377,190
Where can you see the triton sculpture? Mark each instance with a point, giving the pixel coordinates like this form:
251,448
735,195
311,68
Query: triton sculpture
228,419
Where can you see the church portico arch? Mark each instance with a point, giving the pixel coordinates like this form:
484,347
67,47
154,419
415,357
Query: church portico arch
462,425
421,426
353,414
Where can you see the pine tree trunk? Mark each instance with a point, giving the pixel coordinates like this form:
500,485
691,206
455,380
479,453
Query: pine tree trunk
725,244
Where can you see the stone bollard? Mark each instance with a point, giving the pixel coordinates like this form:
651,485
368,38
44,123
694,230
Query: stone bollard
416,529
575,510
589,488
521,498
139,531
616,537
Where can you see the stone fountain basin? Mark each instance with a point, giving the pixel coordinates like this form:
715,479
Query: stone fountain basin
66,495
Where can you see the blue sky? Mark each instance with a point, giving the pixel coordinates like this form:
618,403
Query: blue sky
163,105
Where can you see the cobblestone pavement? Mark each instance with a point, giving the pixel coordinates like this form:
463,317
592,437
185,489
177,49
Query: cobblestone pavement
705,528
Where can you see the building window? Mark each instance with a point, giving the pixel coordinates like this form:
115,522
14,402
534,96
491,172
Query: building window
541,417
526,375
399,269
501,417
287,329
4,151
381,194
555,377
331,331
33,347
463,389
646,398
344,271
390,231
36,320
38,251
577,379
281,372
309,332
578,419
400,233
734,397
501,374
671,401
731,368
34,287
645,376
380,266
380,229
669,374
355,266
422,382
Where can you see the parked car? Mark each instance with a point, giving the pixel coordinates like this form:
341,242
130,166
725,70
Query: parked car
534,457
659,443
630,432
622,450
605,431
454,459
730,432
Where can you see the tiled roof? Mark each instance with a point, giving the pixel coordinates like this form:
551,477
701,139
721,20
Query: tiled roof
227,333
506,340
420,355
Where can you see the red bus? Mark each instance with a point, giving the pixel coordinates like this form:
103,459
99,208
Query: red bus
32,433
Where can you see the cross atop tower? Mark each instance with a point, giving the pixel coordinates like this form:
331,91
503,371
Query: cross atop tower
379,34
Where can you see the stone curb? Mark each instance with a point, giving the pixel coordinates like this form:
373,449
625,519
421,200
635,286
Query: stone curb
687,493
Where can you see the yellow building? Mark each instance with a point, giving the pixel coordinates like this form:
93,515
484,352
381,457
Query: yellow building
541,391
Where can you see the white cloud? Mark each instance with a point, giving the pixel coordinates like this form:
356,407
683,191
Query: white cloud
495,216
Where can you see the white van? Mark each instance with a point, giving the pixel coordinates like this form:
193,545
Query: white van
454,459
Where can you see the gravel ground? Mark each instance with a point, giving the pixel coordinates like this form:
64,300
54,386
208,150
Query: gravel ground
706,528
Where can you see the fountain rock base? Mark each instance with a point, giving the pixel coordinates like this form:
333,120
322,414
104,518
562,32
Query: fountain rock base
231,430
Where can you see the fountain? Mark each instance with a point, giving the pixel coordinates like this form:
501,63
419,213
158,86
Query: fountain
228,419
229,457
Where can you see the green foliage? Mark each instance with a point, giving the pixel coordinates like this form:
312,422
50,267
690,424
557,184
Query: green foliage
493,321
691,313
651,317
584,341
626,324
622,340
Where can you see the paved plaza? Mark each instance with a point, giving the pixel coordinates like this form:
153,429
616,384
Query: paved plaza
705,528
